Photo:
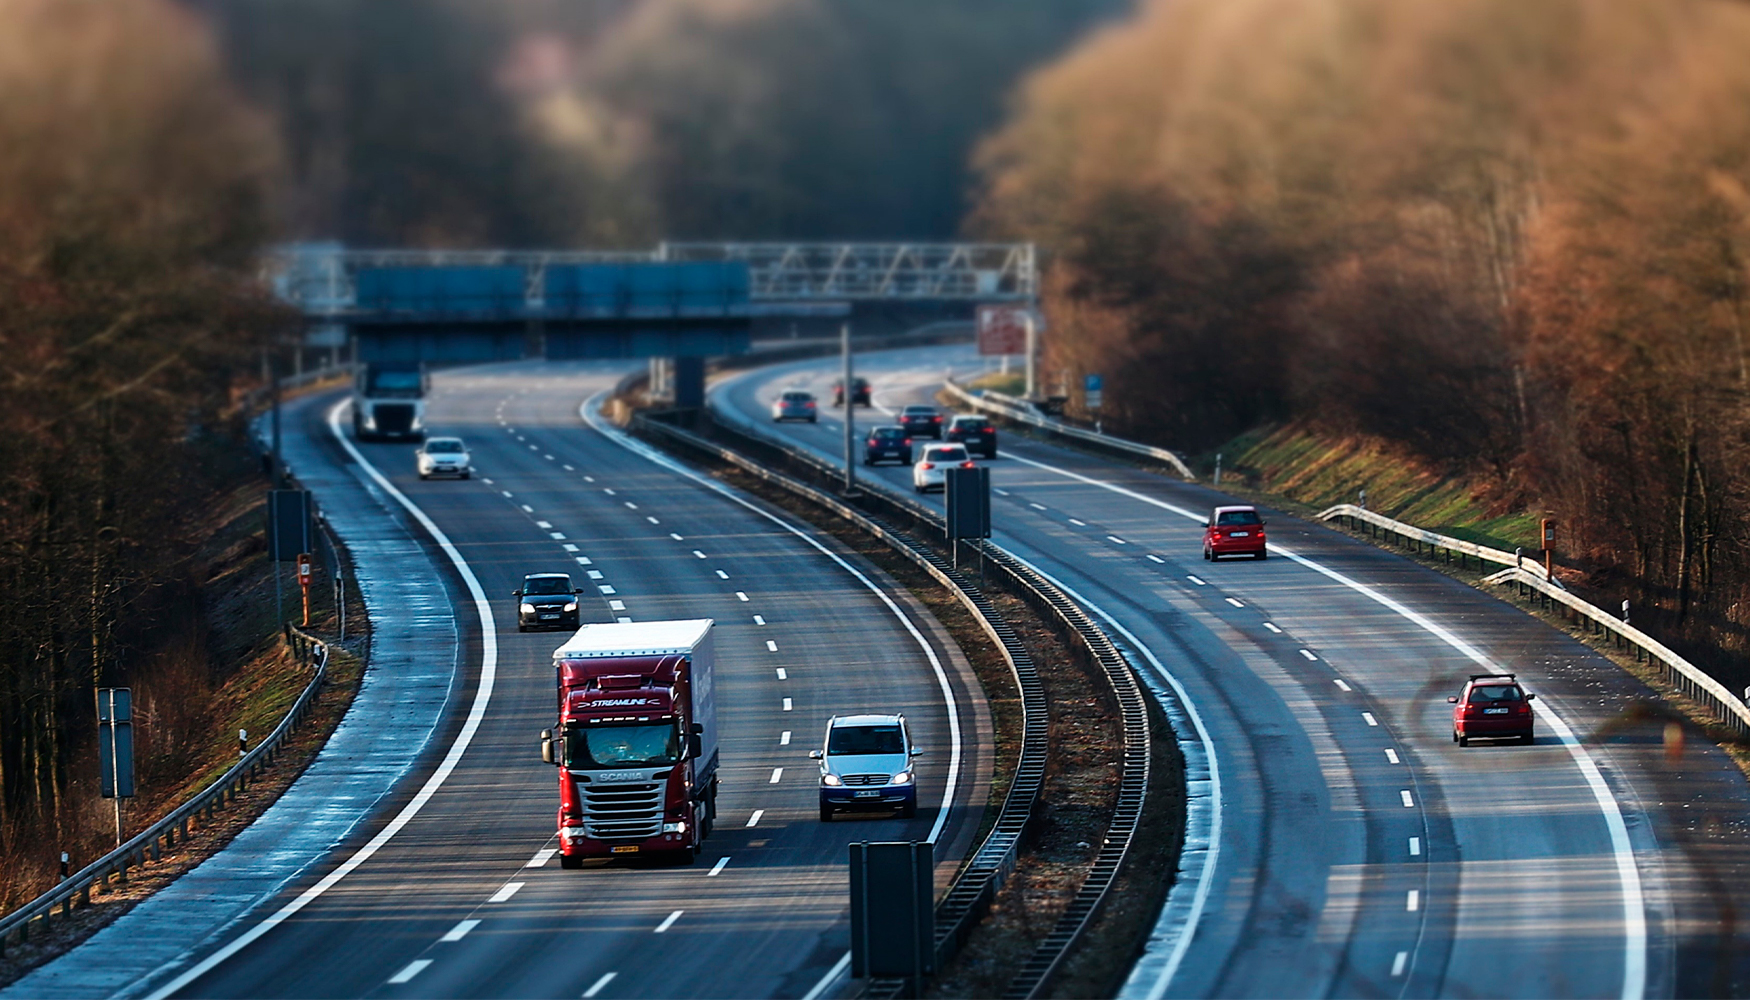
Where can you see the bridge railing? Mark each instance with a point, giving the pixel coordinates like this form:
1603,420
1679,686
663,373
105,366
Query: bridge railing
1011,408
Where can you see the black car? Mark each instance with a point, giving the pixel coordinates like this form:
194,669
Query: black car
884,443
859,392
921,421
976,433
546,600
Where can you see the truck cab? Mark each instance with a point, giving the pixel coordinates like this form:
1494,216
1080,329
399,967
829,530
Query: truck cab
636,740
388,401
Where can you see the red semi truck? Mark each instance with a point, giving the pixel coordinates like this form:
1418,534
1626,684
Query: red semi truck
636,743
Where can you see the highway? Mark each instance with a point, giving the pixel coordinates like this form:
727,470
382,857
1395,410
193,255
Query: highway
1358,851
457,893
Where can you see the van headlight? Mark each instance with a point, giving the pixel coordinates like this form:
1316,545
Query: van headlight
831,779
902,778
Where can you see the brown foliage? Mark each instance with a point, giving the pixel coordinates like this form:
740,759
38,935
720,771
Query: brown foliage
130,192
1514,236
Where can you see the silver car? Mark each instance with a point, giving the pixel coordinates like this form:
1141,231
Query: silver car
866,764
443,456
794,404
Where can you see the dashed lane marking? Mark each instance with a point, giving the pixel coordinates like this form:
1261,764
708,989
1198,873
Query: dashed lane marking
1370,719
410,970
754,820
599,985
740,596
722,575
1079,524
784,738
460,931
1196,579
777,775
1341,683
541,857
722,863
506,891
668,921
1409,802
1308,654
1272,627
1239,604
786,704
1392,756
1151,557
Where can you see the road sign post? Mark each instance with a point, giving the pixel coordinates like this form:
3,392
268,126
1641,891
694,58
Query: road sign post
289,535
893,916
115,748
1093,395
850,413
304,577
967,496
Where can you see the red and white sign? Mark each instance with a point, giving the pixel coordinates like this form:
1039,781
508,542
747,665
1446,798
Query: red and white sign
1002,329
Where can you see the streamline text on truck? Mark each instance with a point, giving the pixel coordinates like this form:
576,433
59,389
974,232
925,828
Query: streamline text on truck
636,743
388,401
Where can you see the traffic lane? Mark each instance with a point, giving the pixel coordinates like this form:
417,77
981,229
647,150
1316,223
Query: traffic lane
1100,512
805,588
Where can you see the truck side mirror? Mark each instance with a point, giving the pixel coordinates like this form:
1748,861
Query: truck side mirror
698,729
815,755
695,746
547,746
1452,699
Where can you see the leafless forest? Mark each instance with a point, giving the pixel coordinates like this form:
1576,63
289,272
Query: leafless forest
1513,236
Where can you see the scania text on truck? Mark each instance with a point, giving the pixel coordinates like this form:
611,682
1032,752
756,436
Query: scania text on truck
636,743
388,401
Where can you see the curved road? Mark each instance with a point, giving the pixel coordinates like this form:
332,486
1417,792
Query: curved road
1360,852
465,899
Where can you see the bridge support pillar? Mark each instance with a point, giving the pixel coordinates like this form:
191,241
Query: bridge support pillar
688,376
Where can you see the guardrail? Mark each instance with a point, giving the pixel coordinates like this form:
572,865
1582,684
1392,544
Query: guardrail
1679,672
1037,972
1008,407
1436,542
976,885
173,828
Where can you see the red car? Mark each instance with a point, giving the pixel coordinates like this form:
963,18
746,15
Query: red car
1492,706
1234,531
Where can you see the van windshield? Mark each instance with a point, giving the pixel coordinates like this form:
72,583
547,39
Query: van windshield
864,740
622,746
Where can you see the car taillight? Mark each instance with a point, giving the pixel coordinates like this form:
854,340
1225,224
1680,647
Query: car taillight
935,420
908,440
809,404
966,464
929,465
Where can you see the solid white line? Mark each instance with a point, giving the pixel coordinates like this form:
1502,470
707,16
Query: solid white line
1343,684
786,704
668,921
1415,847
1308,654
833,975
410,970
1272,627
740,596
719,866
1392,755
541,857
460,931
1239,604
1156,559
1195,580
470,725
777,775
596,988
772,645
1368,716
784,740
754,820
722,575
1398,962
1409,803
1413,901
508,890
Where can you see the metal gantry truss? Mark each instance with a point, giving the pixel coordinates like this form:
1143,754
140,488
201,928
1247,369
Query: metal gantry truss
320,278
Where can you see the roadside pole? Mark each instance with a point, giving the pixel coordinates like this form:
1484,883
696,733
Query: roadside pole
1032,354
850,412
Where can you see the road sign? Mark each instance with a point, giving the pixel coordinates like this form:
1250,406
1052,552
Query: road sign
1002,329
967,492
893,910
115,742
1093,388
288,524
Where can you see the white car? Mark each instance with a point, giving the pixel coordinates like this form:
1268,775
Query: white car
930,472
443,456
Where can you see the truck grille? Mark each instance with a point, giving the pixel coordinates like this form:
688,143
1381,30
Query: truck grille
630,811
865,779
394,418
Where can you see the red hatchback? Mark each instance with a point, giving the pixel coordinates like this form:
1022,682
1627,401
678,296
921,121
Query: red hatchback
1492,706
1234,531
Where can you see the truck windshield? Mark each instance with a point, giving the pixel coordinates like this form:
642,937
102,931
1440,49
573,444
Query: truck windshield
621,746
402,383
865,740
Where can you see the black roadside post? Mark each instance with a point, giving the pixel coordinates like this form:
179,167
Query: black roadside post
967,492
893,913
850,413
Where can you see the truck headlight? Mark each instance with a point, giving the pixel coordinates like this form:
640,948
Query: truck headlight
902,778
527,609
680,827
831,779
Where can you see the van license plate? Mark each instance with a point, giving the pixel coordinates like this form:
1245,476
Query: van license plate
1494,711
870,794
626,849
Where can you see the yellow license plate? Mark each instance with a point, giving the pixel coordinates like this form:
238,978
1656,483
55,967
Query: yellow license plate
626,849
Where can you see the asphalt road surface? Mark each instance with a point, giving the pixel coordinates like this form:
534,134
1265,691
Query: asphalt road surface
1359,851
466,899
